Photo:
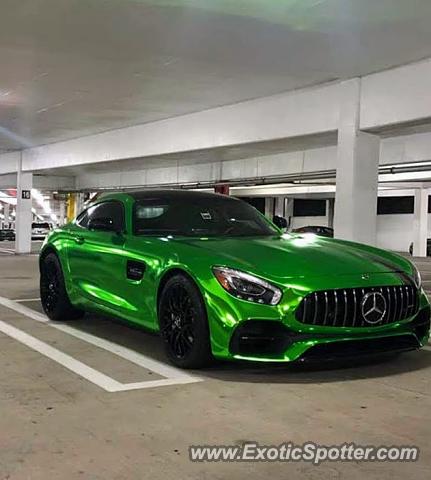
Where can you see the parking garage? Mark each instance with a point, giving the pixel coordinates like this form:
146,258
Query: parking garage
318,115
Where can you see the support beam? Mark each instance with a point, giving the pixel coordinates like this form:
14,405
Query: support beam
357,172
291,114
40,182
23,212
420,223
7,180
387,98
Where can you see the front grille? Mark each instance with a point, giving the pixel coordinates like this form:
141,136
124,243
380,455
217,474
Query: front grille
346,307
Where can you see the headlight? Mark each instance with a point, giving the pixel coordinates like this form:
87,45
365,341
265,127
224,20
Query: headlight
247,287
417,279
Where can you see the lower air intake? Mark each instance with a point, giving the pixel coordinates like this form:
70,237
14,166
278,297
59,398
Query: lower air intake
358,348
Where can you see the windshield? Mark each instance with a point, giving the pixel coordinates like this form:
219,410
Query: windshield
199,217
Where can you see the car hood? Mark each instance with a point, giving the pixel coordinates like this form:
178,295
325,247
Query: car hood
290,256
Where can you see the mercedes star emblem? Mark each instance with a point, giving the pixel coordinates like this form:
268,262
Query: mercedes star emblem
373,307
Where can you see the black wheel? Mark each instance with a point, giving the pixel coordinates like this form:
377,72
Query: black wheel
184,324
53,295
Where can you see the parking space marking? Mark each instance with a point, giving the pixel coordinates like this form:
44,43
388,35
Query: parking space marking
23,300
138,358
172,375
90,374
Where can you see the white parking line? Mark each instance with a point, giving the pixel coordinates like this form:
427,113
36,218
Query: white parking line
90,374
173,375
23,300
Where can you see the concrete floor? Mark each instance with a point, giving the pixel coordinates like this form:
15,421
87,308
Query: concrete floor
56,424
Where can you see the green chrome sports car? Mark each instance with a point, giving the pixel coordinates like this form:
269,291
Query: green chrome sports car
217,279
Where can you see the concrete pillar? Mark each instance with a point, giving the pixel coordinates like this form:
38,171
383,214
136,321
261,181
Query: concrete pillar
80,200
6,213
62,214
23,211
357,172
420,223
71,207
279,206
288,209
269,207
330,203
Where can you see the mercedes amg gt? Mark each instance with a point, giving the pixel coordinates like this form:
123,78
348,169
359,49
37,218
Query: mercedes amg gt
217,279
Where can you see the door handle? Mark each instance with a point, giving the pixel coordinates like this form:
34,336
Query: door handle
79,240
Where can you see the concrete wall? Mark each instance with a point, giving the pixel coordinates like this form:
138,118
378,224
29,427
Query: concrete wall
394,232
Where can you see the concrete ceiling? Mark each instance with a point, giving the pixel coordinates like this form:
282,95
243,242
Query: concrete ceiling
70,68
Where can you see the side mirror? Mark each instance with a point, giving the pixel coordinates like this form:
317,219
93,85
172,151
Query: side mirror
103,224
279,222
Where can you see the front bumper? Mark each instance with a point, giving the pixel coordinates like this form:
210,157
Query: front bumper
240,330
272,341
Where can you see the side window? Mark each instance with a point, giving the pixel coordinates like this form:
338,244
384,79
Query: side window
82,219
110,209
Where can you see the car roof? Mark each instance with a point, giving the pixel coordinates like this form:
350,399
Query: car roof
170,194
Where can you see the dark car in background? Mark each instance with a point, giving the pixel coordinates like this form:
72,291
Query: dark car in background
7,234
317,230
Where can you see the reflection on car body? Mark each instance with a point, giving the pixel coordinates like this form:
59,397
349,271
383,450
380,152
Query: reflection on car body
218,279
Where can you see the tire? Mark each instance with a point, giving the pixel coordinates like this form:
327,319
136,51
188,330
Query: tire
53,295
184,324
